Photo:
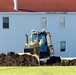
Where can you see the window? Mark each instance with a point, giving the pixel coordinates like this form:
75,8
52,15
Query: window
5,22
44,22
62,46
62,22
35,38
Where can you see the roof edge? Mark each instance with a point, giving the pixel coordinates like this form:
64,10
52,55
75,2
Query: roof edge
35,13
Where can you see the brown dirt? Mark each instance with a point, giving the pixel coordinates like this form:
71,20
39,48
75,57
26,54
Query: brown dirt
12,59
56,61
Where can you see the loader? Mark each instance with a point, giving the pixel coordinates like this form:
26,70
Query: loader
40,46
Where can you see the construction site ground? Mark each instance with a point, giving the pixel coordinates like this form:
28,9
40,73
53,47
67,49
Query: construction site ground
13,59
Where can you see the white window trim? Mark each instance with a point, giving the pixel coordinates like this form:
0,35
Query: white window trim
62,22
44,22
65,46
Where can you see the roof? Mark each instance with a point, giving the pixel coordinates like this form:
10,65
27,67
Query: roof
39,6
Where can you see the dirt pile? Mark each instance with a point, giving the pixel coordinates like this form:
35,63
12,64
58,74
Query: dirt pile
56,61
12,59
68,62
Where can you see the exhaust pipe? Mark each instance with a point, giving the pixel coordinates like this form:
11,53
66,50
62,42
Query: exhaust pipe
26,38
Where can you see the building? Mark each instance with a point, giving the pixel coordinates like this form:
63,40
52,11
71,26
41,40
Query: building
56,16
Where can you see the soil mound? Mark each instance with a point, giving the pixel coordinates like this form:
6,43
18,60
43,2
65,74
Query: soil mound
12,59
56,61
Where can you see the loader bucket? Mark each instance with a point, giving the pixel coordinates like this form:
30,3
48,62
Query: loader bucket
53,60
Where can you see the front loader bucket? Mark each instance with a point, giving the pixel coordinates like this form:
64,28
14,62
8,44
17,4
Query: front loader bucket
53,59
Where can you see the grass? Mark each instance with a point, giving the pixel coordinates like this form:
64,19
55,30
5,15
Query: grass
41,70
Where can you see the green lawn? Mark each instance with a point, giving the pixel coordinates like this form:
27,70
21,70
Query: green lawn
41,70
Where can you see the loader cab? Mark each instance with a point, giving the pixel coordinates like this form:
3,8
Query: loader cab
35,38
45,44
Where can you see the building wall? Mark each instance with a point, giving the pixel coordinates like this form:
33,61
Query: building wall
13,38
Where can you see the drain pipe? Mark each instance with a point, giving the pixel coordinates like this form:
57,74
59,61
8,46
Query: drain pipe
15,4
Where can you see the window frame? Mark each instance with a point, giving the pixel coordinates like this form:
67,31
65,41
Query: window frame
62,46
5,22
62,22
44,22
